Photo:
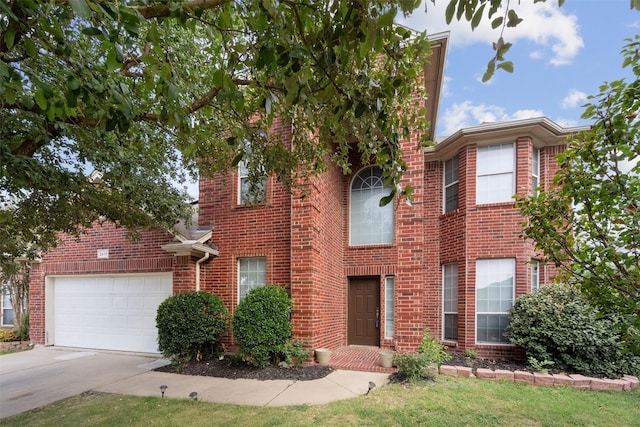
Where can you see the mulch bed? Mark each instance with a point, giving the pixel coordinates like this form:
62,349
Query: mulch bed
493,364
230,367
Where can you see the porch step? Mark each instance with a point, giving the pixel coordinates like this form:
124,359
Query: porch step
358,358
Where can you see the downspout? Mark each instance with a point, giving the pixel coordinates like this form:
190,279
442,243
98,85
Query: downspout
200,261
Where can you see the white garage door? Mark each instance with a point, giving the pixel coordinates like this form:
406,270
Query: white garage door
109,312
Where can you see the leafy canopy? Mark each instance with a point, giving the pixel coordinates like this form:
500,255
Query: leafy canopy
588,223
149,93
146,93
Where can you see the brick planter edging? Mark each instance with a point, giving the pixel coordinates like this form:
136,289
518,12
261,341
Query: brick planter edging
15,345
626,383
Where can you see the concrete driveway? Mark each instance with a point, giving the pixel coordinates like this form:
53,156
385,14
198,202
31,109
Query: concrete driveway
38,377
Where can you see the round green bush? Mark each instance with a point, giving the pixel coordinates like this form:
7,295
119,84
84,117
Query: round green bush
190,324
557,324
262,324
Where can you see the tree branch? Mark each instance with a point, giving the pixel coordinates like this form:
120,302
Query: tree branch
163,10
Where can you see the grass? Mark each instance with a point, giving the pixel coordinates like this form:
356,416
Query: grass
447,402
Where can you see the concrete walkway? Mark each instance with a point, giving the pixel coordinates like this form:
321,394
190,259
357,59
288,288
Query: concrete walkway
46,374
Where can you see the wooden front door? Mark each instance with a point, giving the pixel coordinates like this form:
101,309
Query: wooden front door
364,312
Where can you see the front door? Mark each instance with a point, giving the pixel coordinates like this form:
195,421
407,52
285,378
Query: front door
364,311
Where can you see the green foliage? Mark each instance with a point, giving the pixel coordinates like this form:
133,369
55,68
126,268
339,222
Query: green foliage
556,325
470,353
542,366
8,335
150,93
190,325
423,364
296,352
262,325
588,222
14,280
23,330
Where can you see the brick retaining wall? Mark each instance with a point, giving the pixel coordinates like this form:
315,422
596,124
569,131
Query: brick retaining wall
626,383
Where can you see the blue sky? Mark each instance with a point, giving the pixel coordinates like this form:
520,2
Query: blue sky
561,55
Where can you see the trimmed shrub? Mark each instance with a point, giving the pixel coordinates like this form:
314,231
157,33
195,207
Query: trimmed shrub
8,335
558,326
190,325
425,362
262,325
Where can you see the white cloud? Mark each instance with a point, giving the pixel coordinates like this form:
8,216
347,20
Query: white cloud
574,98
554,32
467,114
445,91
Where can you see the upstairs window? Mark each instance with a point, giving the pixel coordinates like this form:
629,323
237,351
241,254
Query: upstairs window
535,171
451,185
370,223
252,184
495,169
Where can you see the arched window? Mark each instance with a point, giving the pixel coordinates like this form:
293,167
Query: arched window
369,222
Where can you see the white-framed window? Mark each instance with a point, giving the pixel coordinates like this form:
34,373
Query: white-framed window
252,274
389,306
370,223
451,184
495,172
7,310
535,275
251,189
450,302
535,171
495,287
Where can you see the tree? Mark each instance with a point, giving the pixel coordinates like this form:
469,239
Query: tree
146,93
588,223
14,281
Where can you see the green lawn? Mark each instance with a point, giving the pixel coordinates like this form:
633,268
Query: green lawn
448,402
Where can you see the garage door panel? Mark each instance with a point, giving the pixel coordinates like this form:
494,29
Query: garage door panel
115,313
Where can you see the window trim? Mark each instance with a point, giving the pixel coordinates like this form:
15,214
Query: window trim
534,273
389,307
448,186
444,288
501,313
239,269
535,170
390,207
511,172
6,298
242,199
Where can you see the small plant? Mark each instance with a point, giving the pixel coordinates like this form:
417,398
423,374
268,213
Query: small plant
190,325
541,366
296,352
262,325
469,357
423,364
8,335
23,330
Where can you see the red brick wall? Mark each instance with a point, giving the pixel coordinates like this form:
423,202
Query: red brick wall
75,256
318,286
485,231
262,230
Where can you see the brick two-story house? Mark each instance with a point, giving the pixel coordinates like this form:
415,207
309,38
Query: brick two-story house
452,259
